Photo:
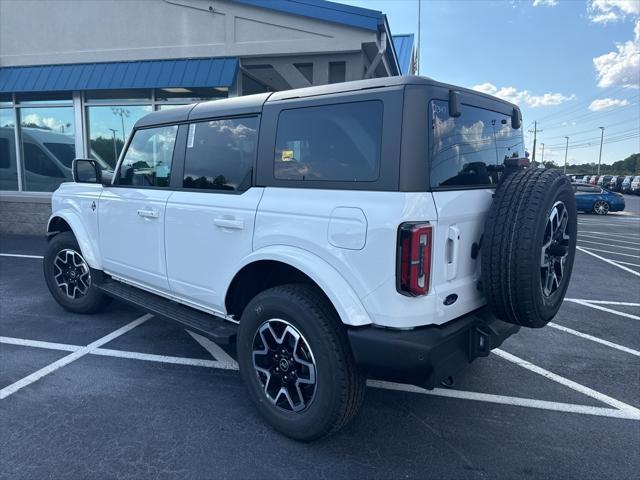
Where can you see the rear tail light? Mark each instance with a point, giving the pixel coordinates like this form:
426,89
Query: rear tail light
414,258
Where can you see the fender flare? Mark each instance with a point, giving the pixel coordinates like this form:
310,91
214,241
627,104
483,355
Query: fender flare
342,296
89,251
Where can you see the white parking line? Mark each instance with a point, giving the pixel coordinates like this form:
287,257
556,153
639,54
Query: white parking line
20,255
601,397
609,251
628,263
214,350
438,392
594,339
604,237
607,234
604,302
506,400
608,245
611,262
35,376
604,309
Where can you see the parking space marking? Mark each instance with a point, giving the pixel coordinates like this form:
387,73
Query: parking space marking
214,349
81,352
607,234
628,263
601,397
586,303
609,251
438,392
20,255
594,339
609,245
507,400
604,302
611,262
604,237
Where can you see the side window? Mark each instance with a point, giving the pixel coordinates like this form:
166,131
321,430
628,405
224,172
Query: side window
466,149
38,162
147,162
220,154
338,142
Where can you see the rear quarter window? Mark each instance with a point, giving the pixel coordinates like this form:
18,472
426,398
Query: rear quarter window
338,142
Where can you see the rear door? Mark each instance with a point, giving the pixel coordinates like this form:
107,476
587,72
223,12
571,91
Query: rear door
464,152
210,217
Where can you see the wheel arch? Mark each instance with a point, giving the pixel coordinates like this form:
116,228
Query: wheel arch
65,221
274,266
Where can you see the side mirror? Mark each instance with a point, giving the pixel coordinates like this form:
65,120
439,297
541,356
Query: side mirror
515,119
86,171
454,104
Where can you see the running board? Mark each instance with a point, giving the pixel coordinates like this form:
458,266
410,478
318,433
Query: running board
215,328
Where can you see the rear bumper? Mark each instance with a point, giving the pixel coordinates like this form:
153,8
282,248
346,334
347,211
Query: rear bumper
427,355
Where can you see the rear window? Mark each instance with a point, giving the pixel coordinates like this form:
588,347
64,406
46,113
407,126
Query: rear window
338,142
465,150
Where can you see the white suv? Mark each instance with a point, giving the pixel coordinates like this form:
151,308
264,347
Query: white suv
382,228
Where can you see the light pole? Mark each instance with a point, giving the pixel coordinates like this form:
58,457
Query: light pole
601,139
115,147
542,153
566,152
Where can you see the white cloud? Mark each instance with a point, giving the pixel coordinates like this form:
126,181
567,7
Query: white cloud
606,103
605,11
622,66
513,95
545,3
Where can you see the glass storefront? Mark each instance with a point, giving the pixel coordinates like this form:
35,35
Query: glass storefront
8,164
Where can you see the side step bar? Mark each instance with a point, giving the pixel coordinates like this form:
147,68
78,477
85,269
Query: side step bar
215,328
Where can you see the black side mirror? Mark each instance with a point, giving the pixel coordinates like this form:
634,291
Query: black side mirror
86,171
515,118
454,104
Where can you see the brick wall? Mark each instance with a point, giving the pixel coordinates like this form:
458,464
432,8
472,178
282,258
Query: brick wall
24,215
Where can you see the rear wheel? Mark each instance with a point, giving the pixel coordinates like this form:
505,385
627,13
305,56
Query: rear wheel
601,207
296,362
68,276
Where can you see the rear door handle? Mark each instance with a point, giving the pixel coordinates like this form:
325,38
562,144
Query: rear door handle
452,248
225,222
148,213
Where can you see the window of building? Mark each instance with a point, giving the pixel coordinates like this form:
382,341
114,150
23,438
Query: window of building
108,128
306,69
147,162
44,98
48,145
466,149
337,72
185,96
8,168
220,154
338,142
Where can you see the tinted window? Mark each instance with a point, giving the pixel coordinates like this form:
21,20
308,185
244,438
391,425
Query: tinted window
38,162
220,154
4,153
467,149
147,162
588,189
331,143
65,152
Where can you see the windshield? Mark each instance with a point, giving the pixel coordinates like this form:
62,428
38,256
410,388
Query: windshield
466,149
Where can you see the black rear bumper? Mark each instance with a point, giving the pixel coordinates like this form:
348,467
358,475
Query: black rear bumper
427,355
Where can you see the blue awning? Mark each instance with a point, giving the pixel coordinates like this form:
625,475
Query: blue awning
186,73
404,49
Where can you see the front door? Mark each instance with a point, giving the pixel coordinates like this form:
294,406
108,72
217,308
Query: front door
131,212
209,222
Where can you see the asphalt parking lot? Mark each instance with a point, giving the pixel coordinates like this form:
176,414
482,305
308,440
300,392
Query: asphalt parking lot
123,395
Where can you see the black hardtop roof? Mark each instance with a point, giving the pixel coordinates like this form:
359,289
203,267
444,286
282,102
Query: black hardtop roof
249,104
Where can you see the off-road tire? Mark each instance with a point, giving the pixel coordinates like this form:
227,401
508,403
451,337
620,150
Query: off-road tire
340,386
93,301
512,242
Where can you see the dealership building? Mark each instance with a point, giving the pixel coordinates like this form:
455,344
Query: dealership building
76,75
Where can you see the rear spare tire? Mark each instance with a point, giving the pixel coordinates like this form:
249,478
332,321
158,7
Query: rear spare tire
529,246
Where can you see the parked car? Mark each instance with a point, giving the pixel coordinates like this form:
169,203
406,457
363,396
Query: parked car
334,233
587,179
625,187
635,185
593,180
598,200
604,180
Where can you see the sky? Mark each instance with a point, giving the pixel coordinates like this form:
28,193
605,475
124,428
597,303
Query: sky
571,65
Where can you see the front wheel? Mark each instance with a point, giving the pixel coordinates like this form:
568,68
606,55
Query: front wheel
68,276
601,207
296,363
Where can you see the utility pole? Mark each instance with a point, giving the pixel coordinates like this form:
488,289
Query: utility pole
115,146
601,139
535,136
566,152
418,49
542,161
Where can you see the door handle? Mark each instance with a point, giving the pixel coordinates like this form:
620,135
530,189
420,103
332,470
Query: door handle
225,222
148,213
452,248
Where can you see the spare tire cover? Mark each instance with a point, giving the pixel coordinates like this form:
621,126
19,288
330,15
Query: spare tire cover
528,246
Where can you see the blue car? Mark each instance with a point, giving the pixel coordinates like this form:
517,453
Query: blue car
598,200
